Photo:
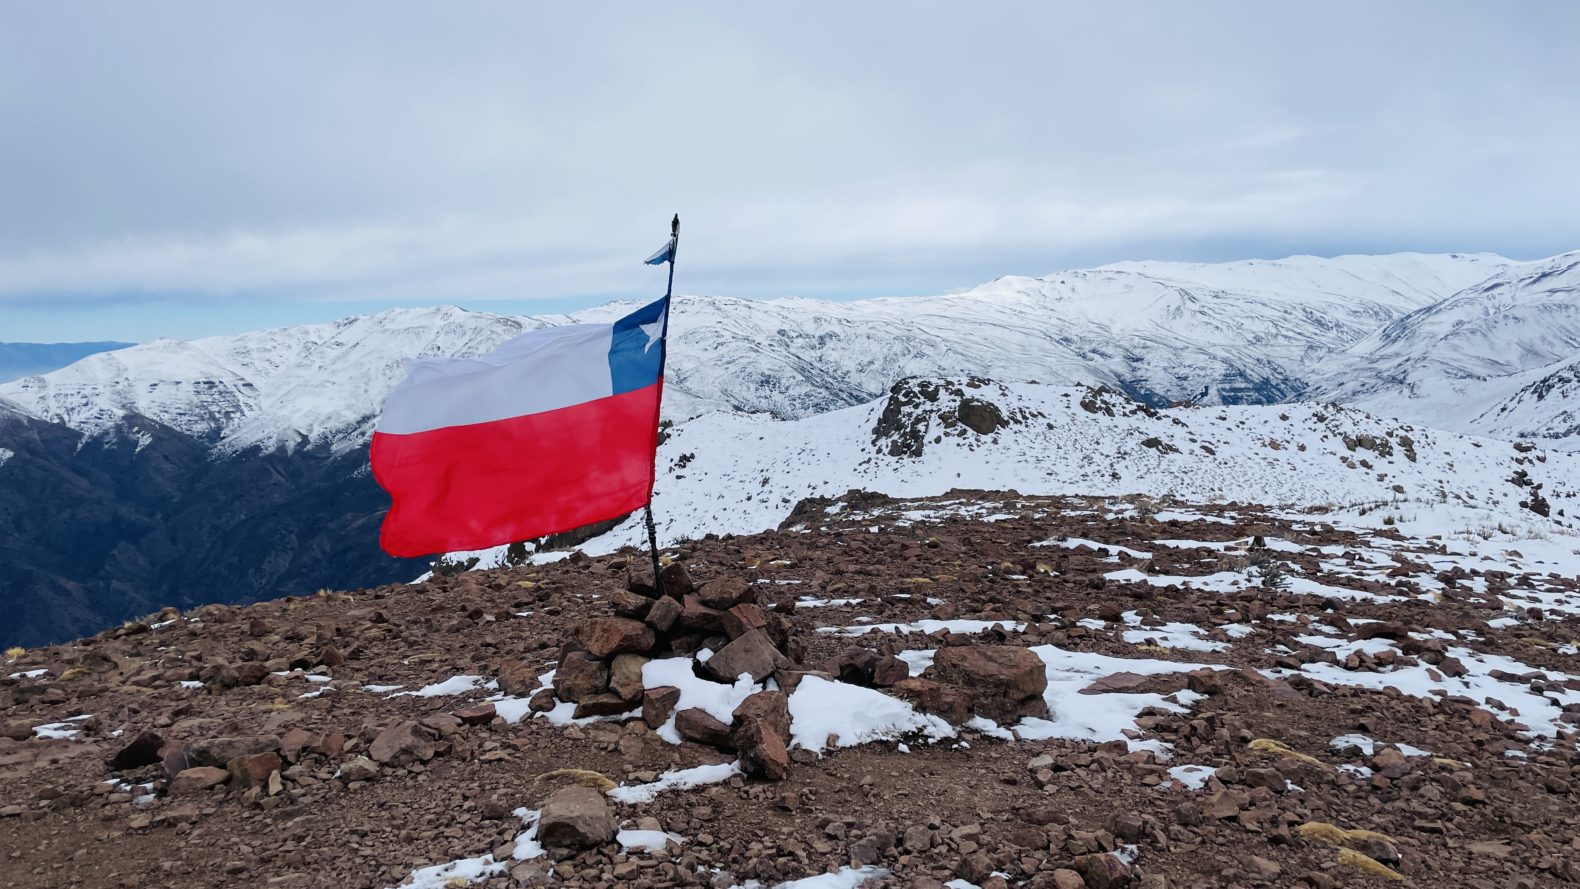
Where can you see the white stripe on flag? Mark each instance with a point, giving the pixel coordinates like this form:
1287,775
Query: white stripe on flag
542,370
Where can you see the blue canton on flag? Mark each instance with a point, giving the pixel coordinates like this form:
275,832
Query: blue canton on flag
665,254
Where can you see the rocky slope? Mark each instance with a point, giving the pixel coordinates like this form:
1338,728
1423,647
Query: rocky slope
1220,697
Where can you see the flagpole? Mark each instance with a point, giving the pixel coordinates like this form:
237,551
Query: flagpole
663,356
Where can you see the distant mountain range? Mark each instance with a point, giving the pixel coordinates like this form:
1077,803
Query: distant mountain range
27,359
233,468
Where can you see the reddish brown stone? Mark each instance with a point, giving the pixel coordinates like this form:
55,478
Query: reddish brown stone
663,613
762,751
769,707
726,592
657,704
517,678
254,770
196,780
743,618
950,703
753,653
695,615
609,636
479,714
695,724
580,675
1004,682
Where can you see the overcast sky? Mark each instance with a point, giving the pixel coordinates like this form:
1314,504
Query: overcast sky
181,169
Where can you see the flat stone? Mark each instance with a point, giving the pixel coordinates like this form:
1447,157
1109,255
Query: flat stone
696,724
401,744
196,780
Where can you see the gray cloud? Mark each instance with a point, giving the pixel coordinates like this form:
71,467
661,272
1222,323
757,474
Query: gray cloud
388,151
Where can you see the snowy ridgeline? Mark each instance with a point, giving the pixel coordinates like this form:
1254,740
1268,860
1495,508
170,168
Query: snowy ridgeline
1468,342
729,473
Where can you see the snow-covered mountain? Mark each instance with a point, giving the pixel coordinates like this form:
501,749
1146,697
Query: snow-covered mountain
732,473
1459,362
1244,332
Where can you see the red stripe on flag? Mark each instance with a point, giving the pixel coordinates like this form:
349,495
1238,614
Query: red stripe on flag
485,484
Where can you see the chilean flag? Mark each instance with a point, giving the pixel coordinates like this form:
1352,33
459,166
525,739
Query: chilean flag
553,430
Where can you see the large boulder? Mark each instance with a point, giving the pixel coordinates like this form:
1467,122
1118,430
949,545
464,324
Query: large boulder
580,675
197,780
575,817
606,637
517,678
1003,682
401,744
771,708
142,751
726,592
752,653
762,751
658,704
696,724
625,677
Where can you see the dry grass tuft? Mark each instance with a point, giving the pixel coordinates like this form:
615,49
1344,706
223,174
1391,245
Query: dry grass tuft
583,777
1361,861
1279,748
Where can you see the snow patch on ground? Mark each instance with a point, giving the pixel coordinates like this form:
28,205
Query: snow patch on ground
681,779
823,712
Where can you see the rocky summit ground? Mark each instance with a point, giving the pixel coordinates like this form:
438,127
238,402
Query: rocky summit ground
1217,696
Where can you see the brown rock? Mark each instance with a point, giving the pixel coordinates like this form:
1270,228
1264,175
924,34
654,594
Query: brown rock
329,744
657,704
359,769
762,751
948,702
478,714
293,742
1103,871
696,724
581,675
602,704
742,618
697,616
628,604
770,707
726,592
142,751
401,744
753,653
517,678
609,636
625,677
219,752
575,817
196,780
1003,682
1122,681
677,581
663,614
1064,878
254,769
251,673
888,670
